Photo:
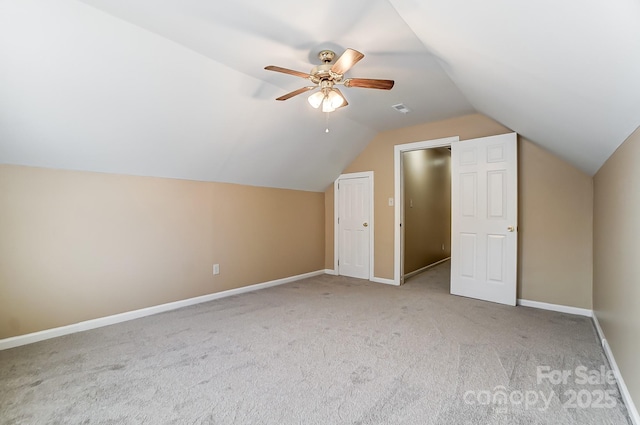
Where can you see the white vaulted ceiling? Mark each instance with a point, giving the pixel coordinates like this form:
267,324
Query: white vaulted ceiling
176,88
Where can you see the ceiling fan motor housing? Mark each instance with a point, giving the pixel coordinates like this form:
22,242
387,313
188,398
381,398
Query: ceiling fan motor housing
323,72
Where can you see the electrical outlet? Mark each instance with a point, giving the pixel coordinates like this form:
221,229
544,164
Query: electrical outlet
216,269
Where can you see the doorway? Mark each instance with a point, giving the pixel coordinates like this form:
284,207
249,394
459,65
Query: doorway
398,261
484,216
427,209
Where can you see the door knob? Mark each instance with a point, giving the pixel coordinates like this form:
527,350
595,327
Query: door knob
365,224
510,228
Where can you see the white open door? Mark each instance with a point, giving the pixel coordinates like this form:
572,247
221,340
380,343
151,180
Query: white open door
354,226
484,228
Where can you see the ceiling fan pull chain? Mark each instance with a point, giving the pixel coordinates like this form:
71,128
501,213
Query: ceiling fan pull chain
326,122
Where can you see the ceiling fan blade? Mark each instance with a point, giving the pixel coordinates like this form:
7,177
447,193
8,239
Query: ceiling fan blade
344,63
287,71
342,95
295,93
367,83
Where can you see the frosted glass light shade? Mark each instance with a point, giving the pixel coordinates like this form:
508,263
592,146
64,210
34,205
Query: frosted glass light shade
326,105
335,99
315,99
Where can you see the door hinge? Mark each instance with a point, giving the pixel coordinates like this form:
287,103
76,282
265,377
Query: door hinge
338,220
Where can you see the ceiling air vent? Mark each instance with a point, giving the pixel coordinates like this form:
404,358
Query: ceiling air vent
401,108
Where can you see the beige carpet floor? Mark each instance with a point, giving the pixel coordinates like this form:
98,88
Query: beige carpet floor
325,350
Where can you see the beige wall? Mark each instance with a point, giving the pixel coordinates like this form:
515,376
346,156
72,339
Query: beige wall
427,207
78,245
555,214
555,202
616,280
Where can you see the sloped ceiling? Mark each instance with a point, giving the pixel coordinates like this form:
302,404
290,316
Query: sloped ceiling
177,88
565,74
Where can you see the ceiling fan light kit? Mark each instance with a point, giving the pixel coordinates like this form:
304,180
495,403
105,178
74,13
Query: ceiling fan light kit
330,98
328,74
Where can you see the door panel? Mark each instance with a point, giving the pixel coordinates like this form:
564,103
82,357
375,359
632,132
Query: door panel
484,218
354,227
468,255
468,190
496,196
495,258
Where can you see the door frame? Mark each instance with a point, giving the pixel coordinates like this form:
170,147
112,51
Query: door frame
336,212
399,195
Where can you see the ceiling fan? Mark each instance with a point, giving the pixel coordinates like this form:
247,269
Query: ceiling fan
329,74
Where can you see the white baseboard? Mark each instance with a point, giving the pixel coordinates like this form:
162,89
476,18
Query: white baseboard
383,280
373,279
556,307
420,270
30,338
624,391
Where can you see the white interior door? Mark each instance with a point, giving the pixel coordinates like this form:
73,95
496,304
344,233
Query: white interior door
484,228
354,230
